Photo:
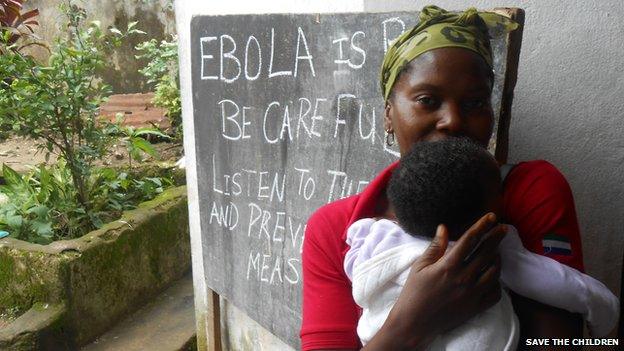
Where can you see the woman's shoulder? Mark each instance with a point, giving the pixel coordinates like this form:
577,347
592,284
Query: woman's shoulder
324,243
535,175
536,191
539,202
336,210
331,220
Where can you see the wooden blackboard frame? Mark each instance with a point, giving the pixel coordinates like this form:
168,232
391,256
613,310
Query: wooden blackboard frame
213,316
514,43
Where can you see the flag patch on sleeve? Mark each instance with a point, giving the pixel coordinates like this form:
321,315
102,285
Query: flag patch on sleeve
556,244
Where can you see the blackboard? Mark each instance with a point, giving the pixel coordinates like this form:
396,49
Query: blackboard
288,116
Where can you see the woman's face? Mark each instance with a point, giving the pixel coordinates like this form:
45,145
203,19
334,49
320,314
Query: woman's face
444,92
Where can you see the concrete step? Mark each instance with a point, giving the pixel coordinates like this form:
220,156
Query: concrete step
165,324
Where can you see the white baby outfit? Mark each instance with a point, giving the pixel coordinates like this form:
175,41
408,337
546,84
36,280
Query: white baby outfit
381,254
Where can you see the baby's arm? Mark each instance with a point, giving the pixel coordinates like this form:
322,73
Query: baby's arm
547,281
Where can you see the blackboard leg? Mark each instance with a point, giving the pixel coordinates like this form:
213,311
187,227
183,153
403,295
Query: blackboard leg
214,321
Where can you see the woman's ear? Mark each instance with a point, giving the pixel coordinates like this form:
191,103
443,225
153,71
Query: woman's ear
387,120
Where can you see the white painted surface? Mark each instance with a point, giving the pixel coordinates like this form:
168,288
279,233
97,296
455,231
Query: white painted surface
567,109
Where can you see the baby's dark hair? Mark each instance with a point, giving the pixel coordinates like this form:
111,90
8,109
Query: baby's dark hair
443,182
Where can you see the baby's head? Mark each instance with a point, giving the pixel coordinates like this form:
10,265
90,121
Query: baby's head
452,182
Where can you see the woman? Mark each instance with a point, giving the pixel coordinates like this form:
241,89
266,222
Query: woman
437,82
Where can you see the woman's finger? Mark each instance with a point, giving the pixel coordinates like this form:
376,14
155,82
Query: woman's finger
435,251
470,239
486,253
490,276
489,286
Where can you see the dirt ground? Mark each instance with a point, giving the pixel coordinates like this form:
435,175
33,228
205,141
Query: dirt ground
21,154
138,110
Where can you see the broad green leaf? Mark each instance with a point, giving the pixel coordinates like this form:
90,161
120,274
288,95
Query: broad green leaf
44,183
155,180
10,176
14,221
43,229
41,211
96,220
145,146
151,131
135,153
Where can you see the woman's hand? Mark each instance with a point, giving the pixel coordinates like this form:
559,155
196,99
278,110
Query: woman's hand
445,288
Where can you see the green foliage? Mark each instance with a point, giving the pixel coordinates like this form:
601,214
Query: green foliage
161,71
134,139
58,103
40,206
120,191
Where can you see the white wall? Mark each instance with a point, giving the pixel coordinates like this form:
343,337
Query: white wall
154,17
568,109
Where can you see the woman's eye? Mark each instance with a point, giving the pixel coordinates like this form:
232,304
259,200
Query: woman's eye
427,101
475,103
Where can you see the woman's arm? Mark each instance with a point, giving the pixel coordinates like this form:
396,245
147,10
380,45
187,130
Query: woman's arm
539,202
329,313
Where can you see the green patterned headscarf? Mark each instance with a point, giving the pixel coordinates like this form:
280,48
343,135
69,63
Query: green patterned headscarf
439,28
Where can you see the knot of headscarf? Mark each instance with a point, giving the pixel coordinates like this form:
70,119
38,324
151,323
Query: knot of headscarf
439,28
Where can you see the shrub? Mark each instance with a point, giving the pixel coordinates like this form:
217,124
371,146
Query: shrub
57,104
162,73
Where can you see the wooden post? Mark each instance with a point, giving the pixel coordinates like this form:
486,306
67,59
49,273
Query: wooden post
511,77
213,317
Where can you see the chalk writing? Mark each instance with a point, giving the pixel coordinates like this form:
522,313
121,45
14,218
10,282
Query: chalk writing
259,55
268,268
231,68
390,25
353,42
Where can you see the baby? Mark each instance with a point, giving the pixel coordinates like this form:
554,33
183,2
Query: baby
455,182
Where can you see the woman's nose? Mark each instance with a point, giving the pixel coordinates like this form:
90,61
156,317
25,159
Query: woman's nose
450,121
